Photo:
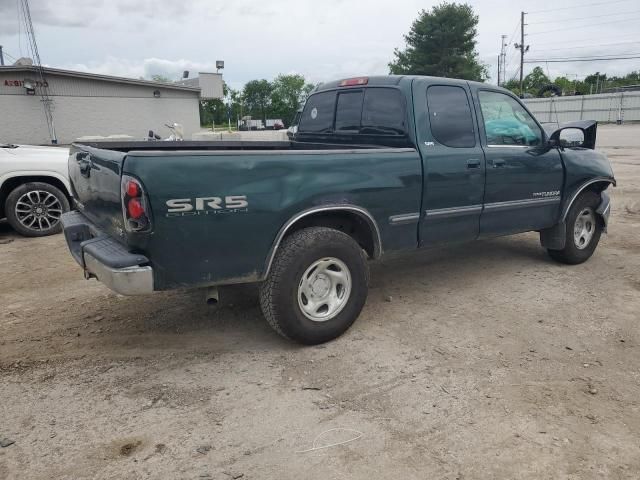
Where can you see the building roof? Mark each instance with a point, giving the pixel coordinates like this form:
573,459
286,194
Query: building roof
95,76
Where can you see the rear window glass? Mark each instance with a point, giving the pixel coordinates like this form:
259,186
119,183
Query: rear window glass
348,111
450,116
317,116
383,112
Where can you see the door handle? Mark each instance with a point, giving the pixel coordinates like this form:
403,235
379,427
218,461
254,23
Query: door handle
498,163
473,163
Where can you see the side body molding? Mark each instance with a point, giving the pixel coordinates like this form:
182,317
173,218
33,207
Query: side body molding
361,212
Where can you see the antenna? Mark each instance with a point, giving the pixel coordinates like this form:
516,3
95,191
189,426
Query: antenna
44,86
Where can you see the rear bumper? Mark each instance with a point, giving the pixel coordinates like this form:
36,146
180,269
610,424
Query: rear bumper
104,258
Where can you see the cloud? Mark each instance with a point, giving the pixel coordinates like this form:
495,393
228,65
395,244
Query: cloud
321,40
147,68
62,13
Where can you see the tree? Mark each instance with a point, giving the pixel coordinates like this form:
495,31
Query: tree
535,80
214,110
289,91
160,78
513,85
257,97
442,43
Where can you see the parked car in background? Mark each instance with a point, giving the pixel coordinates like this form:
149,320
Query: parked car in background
274,124
34,188
247,124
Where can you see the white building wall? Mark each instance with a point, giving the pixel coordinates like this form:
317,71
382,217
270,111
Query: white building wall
84,107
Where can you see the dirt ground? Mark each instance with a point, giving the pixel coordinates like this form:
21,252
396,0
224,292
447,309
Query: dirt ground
478,361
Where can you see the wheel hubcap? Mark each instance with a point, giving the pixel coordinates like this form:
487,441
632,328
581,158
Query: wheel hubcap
324,289
38,210
584,228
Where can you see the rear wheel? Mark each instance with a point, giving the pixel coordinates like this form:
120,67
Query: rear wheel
317,286
34,209
583,230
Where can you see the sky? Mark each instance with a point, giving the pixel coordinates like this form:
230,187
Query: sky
320,39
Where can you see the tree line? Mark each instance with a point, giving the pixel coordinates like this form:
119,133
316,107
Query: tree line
260,99
597,82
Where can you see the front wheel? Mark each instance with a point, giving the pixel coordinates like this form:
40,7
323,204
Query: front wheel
583,230
317,285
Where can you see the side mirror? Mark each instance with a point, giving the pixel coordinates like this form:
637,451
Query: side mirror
575,134
570,137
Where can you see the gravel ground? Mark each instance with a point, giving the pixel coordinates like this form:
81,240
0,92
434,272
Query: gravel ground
481,361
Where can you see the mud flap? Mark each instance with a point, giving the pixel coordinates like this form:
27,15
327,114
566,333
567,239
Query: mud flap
554,238
604,209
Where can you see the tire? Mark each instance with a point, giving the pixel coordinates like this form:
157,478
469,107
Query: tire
34,209
579,247
322,263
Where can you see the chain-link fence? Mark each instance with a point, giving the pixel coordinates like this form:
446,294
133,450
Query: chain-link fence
605,107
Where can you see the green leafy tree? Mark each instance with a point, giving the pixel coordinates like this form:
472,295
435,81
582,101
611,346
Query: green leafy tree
289,91
513,85
442,43
535,80
214,111
160,78
257,98
566,85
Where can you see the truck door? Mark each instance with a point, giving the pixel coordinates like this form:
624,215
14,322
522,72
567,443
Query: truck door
453,162
524,179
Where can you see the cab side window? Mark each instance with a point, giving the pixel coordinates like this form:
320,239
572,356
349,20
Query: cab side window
317,116
506,122
450,116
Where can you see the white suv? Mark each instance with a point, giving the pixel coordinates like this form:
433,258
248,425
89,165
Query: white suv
34,188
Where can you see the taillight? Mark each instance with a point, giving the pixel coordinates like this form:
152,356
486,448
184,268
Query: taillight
134,205
133,188
135,208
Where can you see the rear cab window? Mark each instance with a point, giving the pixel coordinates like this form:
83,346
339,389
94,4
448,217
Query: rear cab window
318,113
375,111
349,111
383,112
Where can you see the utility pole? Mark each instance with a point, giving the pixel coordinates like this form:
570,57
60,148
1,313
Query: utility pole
502,60
1,57
523,49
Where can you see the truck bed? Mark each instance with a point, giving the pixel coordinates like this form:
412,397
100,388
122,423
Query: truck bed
209,145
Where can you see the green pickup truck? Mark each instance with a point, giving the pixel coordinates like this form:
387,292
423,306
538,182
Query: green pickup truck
378,165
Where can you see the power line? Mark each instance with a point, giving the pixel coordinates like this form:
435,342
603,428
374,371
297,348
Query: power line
578,41
611,55
571,60
35,54
581,6
589,46
563,20
587,25
7,54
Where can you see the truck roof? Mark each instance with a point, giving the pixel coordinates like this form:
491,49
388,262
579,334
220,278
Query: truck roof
393,80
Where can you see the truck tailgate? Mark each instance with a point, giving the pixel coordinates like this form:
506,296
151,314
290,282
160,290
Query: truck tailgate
95,180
